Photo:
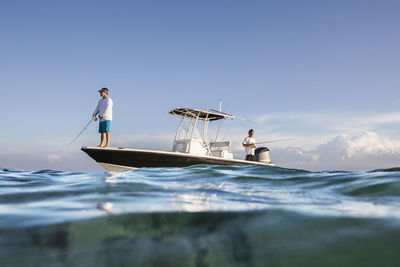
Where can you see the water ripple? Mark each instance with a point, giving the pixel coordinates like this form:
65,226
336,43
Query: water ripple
48,195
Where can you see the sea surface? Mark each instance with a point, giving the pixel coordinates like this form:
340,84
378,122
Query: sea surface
200,216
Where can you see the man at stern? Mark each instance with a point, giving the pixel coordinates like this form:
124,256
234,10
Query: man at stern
249,144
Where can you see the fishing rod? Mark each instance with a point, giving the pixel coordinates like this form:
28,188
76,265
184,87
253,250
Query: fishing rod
273,141
234,116
84,129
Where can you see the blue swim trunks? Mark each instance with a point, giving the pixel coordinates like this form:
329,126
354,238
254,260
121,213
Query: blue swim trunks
104,126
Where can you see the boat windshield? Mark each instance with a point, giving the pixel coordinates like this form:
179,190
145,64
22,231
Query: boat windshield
188,130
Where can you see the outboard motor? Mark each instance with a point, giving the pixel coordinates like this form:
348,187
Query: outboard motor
262,155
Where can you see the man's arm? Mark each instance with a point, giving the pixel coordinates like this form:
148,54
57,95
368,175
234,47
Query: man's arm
245,144
96,111
250,145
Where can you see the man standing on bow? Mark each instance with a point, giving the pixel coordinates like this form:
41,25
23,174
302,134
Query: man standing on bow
249,144
104,113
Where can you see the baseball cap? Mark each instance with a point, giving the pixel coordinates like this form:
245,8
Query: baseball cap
103,89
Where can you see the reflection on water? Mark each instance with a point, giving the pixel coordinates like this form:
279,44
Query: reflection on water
107,207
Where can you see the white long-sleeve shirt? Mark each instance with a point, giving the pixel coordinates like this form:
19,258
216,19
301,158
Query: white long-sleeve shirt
104,108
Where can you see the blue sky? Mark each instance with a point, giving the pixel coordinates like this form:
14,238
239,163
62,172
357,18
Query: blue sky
317,71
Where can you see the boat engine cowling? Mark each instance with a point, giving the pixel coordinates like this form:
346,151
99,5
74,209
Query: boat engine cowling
263,155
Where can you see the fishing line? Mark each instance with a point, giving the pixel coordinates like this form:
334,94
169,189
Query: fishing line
84,129
273,141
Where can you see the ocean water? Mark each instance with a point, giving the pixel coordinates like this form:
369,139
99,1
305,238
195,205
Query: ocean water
200,216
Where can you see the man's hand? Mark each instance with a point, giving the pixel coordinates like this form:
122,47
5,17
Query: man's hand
100,116
253,145
94,118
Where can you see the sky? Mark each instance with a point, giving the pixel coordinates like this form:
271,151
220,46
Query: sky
325,73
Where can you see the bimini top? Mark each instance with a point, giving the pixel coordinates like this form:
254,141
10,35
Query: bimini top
200,114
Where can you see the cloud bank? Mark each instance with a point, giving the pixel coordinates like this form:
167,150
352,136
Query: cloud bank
363,151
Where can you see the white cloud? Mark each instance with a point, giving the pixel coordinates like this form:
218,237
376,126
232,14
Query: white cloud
364,151
54,158
370,143
385,118
325,121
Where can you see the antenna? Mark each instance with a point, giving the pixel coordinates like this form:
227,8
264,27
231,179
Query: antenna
220,123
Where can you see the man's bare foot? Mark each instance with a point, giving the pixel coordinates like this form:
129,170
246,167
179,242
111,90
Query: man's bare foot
106,146
99,146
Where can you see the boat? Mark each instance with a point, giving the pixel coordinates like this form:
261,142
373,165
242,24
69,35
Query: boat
189,147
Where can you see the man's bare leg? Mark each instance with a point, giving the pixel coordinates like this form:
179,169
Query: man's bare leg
102,139
108,135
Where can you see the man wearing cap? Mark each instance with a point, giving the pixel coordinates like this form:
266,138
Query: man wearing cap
104,113
249,144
